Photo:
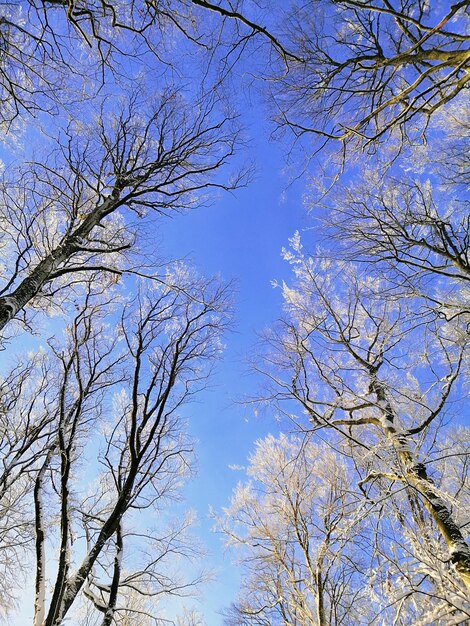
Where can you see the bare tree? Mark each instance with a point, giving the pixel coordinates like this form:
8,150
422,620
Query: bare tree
115,396
297,524
135,588
68,217
413,231
51,51
25,392
170,336
401,222
370,67
27,424
375,372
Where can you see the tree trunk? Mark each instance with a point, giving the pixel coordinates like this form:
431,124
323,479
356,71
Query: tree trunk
416,477
44,271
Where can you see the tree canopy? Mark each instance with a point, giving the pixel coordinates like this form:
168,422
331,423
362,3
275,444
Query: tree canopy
117,116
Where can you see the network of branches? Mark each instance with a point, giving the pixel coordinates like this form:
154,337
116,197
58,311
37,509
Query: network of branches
117,115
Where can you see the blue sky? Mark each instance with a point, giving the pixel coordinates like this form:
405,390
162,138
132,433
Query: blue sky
240,236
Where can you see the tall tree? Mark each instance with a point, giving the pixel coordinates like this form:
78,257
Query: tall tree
368,69
314,551
296,526
115,396
69,216
375,370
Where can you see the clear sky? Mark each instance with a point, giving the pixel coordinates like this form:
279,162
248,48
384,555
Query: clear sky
240,236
